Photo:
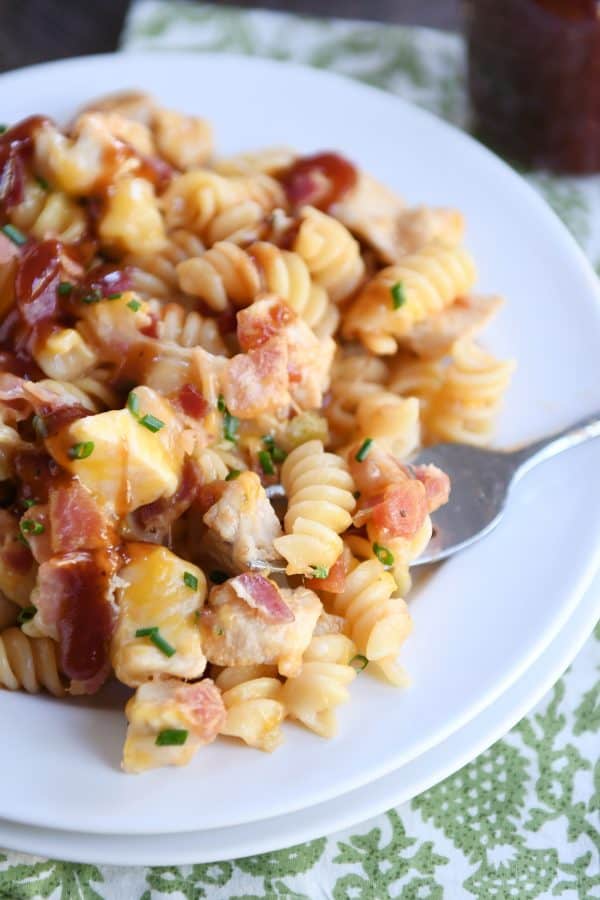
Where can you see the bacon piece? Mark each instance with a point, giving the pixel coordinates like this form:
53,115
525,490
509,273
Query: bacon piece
203,699
319,180
437,485
103,280
39,544
155,519
376,471
208,495
334,583
262,595
74,598
38,276
191,402
77,522
257,382
261,321
36,472
402,511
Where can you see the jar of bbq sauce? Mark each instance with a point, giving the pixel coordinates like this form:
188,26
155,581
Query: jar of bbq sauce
534,80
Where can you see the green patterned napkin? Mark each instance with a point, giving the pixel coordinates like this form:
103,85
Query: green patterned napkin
523,820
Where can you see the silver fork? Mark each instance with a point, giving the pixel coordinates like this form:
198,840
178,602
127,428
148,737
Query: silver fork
481,484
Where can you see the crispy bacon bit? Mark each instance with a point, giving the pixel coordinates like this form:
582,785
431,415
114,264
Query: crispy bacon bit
262,595
23,366
320,180
437,485
257,381
375,471
103,280
16,145
402,511
73,595
36,473
57,417
334,583
76,520
155,519
37,279
208,495
191,402
255,326
203,699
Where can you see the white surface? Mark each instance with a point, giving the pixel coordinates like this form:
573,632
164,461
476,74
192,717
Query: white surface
343,812
485,616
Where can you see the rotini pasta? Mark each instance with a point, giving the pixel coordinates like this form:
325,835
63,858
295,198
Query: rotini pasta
214,369
312,697
320,501
405,294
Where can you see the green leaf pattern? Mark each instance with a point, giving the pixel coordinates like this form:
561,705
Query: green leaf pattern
522,820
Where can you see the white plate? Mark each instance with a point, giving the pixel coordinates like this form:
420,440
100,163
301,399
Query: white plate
334,815
486,615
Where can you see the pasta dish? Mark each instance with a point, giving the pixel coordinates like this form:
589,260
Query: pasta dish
214,372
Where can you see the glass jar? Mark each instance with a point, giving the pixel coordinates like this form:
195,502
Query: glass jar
534,80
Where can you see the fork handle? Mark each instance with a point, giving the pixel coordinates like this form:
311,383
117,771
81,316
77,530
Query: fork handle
527,457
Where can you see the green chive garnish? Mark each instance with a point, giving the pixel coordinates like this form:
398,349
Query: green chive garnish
266,463
319,572
231,476
219,630
26,614
190,581
81,450
29,503
385,556
359,662
28,526
277,454
230,423
92,297
363,450
3,128
39,426
42,182
171,737
151,423
16,236
116,296
157,639
64,288
134,305
133,403
398,295
218,577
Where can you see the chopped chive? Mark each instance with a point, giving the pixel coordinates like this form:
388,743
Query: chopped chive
219,630
16,236
266,463
319,572
134,305
157,639
29,526
269,441
64,288
278,455
39,426
171,737
398,295
26,614
221,404
218,577
190,581
29,503
92,297
231,476
115,296
3,128
81,450
230,423
133,403
151,423
22,539
363,450
359,662
385,556
42,182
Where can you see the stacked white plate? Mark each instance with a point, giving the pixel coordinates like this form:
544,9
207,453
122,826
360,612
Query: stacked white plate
494,627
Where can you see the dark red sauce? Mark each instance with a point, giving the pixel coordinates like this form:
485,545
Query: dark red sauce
320,180
86,619
16,145
37,280
534,79
36,472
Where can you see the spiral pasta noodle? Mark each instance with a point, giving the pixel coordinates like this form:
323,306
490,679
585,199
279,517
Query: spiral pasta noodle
377,621
253,699
320,501
28,664
413,377
269,161
392,421
189,329
156,275
353,378
330,252
403,295
465,407
312,697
